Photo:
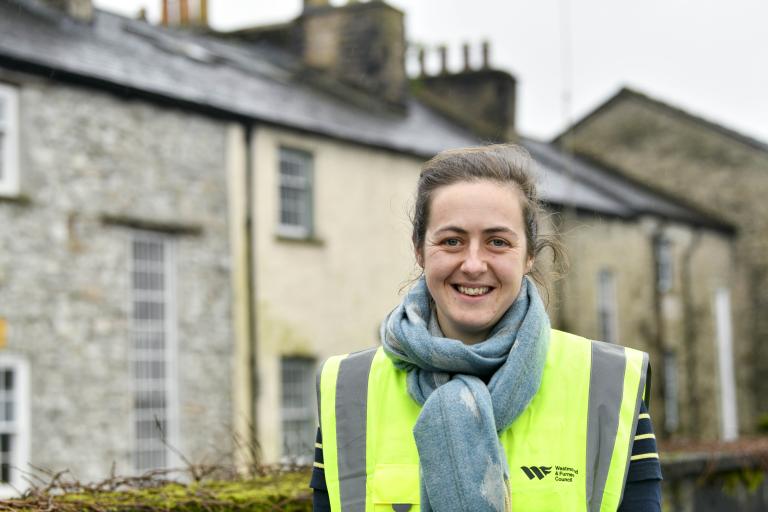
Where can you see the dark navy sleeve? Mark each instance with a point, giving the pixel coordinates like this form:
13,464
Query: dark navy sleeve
641,496
642,492
320,500
644,462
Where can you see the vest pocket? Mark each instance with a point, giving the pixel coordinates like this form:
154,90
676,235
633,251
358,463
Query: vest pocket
395,487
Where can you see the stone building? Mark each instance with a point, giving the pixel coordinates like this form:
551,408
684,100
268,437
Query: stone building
191,221
115,280
719,171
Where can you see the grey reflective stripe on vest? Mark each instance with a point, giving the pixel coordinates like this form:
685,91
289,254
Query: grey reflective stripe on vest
640,391
606,386
318,376
351,412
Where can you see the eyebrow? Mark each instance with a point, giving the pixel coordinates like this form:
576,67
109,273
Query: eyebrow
488,231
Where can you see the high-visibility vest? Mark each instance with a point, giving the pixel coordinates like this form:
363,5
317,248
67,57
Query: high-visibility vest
569,450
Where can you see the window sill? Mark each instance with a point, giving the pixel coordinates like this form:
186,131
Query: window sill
19,199
172,228
300,240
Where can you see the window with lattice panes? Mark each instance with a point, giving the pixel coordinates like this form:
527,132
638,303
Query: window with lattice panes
296,195
14,423
153,349
297,406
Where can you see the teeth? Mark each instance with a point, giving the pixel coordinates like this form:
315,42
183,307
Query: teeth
473,291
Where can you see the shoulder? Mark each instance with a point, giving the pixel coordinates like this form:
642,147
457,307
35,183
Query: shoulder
567,338
351,363
359,357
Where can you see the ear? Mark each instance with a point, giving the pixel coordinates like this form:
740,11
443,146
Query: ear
419,257
529,265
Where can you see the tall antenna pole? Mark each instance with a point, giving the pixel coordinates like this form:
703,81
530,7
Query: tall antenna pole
566,63
568,212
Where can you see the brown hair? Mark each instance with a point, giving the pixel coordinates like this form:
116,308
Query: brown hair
507,164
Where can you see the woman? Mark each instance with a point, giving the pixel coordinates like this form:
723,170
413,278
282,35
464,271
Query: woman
473,402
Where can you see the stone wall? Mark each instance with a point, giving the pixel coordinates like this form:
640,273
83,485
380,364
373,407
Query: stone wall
719,173
679,321
87,156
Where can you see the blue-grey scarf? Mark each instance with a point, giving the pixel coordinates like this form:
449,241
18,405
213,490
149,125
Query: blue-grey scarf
463,465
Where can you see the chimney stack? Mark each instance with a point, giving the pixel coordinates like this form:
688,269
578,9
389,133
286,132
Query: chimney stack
483,100
79,9
359,43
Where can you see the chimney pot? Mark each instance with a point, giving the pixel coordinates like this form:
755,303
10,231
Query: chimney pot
465,51
443,50
184,12
204,13
164,17
486,55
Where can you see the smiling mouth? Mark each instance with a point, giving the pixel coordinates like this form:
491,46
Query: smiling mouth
473,291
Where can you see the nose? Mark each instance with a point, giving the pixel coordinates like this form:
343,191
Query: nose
474,262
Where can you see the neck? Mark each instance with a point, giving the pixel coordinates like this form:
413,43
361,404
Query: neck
468,338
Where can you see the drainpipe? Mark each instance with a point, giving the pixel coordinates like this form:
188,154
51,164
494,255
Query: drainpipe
250,276
659,345
690,330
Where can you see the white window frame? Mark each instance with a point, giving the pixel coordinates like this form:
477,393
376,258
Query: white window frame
304,227
19,428
665,266
607,307
167,357
305,412
729,417
9,150
671,392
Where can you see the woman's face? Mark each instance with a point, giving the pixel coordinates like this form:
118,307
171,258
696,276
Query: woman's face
474,256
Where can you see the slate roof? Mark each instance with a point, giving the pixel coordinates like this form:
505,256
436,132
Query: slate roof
253,81
573,181
268,85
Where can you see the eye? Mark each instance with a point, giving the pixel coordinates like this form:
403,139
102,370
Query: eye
452,242
499,243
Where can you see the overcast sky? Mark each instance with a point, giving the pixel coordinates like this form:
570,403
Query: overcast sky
709,57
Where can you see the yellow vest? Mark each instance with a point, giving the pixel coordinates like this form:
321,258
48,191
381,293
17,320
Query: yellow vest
568,451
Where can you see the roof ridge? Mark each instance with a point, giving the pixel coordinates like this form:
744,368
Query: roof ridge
626,91
699,118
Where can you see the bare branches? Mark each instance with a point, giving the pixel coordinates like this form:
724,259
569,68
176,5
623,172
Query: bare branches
196,488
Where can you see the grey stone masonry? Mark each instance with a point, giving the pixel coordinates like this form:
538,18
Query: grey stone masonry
716,170
91,166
